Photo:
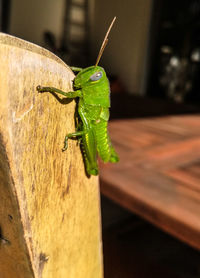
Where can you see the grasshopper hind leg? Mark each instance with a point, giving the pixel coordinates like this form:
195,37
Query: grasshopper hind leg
89,153
91,170
91,165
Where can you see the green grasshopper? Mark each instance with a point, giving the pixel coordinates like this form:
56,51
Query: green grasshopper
91,86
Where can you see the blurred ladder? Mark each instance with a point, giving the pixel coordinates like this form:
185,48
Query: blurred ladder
75,39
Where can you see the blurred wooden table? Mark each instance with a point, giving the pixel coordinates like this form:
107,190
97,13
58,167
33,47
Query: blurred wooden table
158,176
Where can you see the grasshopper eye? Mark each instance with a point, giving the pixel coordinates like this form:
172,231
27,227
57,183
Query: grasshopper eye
96,76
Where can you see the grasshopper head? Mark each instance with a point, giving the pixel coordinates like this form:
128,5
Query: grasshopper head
94,84
89,76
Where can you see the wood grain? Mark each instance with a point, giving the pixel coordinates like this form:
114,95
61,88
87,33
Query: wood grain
158,175
49,212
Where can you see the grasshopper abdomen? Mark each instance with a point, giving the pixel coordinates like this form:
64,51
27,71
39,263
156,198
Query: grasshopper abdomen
104,145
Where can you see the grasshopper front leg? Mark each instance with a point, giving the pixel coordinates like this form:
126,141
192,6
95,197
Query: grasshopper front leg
74,94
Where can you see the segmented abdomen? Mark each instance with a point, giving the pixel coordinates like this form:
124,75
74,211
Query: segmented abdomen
104,146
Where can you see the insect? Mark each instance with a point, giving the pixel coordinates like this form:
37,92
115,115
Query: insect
91,87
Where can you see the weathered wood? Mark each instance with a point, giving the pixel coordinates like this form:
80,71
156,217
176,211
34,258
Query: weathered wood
49,209
158,175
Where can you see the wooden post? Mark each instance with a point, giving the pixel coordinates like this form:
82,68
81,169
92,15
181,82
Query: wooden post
49,209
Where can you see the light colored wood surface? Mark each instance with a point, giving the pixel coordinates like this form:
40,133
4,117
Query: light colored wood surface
49,209
158,176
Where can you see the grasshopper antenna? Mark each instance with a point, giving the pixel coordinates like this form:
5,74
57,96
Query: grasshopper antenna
105,41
